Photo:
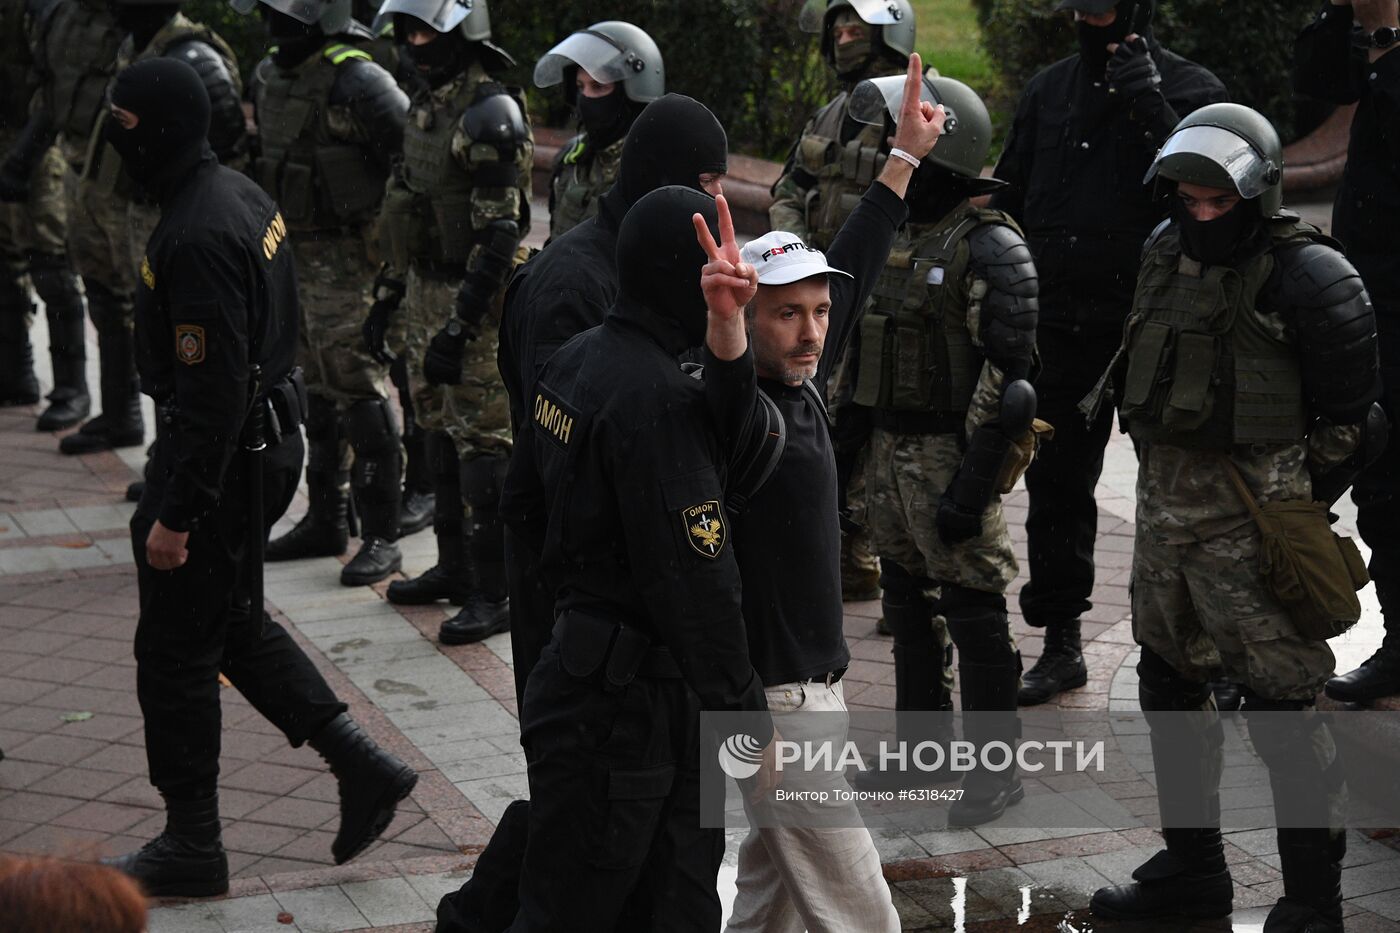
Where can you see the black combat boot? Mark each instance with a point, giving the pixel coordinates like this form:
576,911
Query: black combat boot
989,708
487,609
374,436
120,424
1312,882
416,509
1379,675
187,860
1060,666
18,386
371,780
323,531
449,579
1186,879
69,402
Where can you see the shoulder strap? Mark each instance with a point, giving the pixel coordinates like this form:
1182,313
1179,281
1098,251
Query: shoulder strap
338,52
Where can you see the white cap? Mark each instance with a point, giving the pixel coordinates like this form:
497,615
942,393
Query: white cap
782,257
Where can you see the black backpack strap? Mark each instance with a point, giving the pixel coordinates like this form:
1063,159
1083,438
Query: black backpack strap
756,456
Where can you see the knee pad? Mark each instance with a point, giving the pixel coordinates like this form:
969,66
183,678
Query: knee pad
482,479
1160,687
978,625
901,588
371,427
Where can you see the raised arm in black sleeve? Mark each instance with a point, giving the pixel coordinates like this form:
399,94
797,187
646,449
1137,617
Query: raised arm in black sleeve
1014,165
1325,63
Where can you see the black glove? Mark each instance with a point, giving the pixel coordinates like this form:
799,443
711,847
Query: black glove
1133,73
376,326
956,524
14,183
442,364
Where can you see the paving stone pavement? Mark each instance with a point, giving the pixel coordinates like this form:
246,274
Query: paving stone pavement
73,779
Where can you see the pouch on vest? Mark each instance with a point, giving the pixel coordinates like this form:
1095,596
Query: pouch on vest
1313,571
911,368
871,377
1189,401
1146,362
452,212
296,193
353,182
403,234
811,152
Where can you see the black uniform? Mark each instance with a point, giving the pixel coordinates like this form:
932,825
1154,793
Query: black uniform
218,292
1074,162
788,539
1329,66
614,482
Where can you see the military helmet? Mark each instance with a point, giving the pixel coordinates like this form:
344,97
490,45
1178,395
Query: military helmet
470,18
967,129
1225,146
895,19
333,16
611,52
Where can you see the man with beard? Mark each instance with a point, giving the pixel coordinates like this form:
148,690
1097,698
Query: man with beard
561,292
330,120
1085,131
610,72
827,173
1248,378
825,877
216,322
456,208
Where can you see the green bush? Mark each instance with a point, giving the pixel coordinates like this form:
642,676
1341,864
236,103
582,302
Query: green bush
246,34
1247,43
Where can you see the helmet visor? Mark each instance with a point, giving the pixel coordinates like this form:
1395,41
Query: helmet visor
303,11
871,100
596,54
812,18
1217,157
442,15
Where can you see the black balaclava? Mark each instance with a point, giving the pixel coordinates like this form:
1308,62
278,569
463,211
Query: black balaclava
659,259
171,135
142,20
1094,40
606,119
294,40
934,191
672,142
438,61
1233,236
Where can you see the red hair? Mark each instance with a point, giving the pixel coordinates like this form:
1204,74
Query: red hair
47,895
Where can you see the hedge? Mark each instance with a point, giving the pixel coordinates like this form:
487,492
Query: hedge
1247,43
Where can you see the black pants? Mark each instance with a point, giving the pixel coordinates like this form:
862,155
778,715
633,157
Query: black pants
1063,519
531,610
1377,490
614,838
196,622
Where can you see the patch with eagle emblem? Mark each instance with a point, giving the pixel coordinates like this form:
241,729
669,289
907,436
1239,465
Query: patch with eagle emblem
189,343
705,528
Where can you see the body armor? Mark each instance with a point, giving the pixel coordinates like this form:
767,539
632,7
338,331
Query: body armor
839,172
78,55
580,179
319,179
917,353
1203,371
429,217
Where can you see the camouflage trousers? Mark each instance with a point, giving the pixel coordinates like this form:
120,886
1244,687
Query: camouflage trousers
333,279
475,414
1205,608
39,224
101,240
905,476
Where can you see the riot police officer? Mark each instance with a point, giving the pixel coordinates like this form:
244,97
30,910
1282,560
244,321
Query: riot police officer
1247,373
454,213
33,234
609,71
1084,133
217,324
960,284
330,120
828,171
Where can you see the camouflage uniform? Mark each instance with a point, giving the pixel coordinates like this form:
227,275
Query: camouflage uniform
329,126
32,243
580,178
833,162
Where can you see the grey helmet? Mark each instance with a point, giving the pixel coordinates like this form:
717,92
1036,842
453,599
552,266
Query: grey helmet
610,51
470,18
1225,146
895,19
967,129
333,16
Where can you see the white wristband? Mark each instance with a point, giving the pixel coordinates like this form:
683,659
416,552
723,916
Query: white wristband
901,154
